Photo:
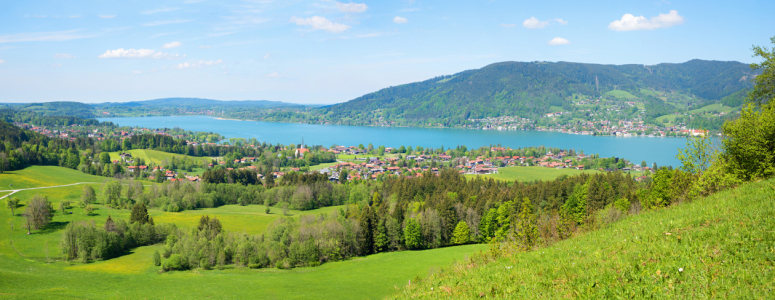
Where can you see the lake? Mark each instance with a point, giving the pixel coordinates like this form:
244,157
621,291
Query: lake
636,149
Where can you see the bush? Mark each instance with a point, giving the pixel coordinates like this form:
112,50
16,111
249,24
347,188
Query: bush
175,262
156,258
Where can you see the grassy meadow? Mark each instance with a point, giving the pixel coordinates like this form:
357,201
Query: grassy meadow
532,173
31,267
719,247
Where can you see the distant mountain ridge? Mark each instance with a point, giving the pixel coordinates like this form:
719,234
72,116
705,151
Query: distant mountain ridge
531,88
199,102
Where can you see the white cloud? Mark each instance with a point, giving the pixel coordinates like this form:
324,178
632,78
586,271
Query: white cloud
558,41
351,7
159,10
137,72
204,47
273,75
629,22
321,23
198,64
53,36
266,56
62,55
2,61
561,21
56,66
171,45
138,53
165,22
508,25
400,20
107,16
534,23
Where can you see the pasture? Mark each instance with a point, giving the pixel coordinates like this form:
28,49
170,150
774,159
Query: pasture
31,266
532,173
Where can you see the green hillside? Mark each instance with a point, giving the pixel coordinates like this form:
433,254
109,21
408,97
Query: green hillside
532,173
529,89
31,265
717,247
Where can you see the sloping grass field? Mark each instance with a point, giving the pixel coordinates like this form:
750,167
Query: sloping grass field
156,157
719,247
31,267
532,173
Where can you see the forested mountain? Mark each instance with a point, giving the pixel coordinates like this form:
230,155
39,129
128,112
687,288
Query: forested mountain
528,89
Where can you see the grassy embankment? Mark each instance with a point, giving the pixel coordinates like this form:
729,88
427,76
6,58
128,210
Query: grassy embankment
722,246
532,173
30,266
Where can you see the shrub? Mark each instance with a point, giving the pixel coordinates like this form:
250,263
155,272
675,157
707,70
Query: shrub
175,262
156,258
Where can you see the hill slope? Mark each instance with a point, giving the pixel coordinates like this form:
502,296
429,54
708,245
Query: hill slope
717,247
528,89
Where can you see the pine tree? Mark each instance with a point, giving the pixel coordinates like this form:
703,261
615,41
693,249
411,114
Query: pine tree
139,214
527,231
380,237
413,234
367,231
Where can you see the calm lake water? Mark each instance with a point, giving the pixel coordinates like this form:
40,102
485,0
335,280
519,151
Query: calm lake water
636,149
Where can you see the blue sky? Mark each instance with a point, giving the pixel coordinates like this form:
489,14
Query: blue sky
329,51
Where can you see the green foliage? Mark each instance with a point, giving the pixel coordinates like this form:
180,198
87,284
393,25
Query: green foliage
504,220
623,205
575,209
12,203
39,212
413,234
156,258
88,196
139,214
749,143
698,155
462,234
175,263
527,231
764,84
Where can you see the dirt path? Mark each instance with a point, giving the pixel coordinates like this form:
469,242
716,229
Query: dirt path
37,188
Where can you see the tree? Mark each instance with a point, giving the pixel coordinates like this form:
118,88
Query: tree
366,234
343,176
643,164
39,212
412,234
764,84
12,203
376,200
462,233
575,208
156,258
63,206
104,158
527,231
698,155
110,226
112,192
380,237
88,196
139,214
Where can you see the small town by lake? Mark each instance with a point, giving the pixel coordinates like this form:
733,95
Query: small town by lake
661,150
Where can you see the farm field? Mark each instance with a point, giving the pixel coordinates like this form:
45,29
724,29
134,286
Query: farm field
42,176
714,107
532,173
715,247
30,266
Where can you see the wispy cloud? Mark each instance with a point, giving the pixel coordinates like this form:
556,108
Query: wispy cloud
400,20
193,1
508,25
266,56
107,16
558,41
351,7
136,53
159,10
158,35
62,55
171,45
197,64
165,22
320,23
629,22
561,21
204,47
2,61
275,74
53,36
